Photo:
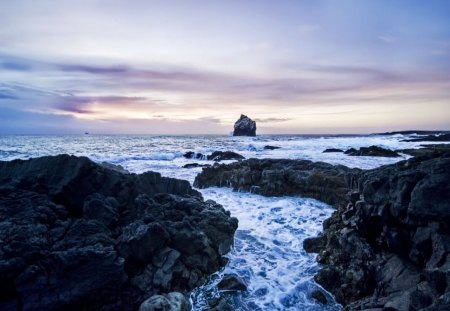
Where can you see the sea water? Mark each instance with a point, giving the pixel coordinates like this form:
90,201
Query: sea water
267,253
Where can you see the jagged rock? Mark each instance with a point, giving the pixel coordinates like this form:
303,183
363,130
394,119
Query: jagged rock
244,127
438,137
372,151
232,282
388,250
387,246
332,150
224,155
268,147
78,235
270,177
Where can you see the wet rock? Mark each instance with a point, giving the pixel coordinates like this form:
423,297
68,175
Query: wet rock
319,180
372,151
194,155
193,165
78,235
171,302
319,296
268,147
224,155
329,150
232,282
387,250
244,127
219,304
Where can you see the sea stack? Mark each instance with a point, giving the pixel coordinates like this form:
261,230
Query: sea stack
244,127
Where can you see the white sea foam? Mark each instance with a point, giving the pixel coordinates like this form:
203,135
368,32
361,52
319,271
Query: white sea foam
268,251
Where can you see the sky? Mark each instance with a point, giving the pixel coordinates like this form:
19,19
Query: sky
193,67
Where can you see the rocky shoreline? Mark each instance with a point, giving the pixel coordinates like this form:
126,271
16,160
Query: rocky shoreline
76,235
387,247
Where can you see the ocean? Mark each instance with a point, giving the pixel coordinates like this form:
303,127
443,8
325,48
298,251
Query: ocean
268,252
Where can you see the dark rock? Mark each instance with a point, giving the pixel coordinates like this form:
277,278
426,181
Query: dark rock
171,302
433,150
219,304
224,155
194,155
438,137
244,127
232,282
332,150
319,296
268,147
78,235
372,151
270,177
378,255
387,246
193,165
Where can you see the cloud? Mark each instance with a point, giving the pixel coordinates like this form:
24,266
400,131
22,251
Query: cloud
387,39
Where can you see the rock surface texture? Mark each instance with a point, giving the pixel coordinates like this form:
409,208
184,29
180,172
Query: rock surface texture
387,247
75,235
270,177
244,127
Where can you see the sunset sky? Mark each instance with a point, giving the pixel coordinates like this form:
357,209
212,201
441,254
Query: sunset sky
192,67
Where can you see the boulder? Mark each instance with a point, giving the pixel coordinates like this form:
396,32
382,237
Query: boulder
268,147
224,155
329,150
193,165
372,151
232,282
244,127
79,235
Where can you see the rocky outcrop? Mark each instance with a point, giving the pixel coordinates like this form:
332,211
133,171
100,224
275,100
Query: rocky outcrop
390,248
430,150
271,177
215,156
387,247
372,151
244,127
438,137
78,235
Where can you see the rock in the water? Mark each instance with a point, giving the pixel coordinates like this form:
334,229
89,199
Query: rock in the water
244,127
232,282
329,150
194,155
76,235
268,147
372,151
193,165
224,155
